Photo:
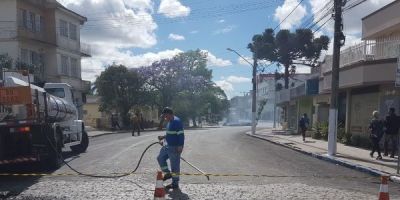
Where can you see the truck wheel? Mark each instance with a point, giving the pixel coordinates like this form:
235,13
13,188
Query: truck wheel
80,148
55,160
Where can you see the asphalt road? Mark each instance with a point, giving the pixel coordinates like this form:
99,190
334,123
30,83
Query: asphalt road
224,150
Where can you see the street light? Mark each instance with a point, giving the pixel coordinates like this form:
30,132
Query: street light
253,102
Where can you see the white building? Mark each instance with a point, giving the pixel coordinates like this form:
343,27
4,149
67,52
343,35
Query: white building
266,86
45,35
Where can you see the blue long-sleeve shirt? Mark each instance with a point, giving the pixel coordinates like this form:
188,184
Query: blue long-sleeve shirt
175,135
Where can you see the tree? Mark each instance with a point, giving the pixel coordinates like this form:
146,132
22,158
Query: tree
197,80
119,89
182,82
162,80
289,49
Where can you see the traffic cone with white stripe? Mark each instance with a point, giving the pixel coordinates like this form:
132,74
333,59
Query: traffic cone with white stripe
159,193
384,189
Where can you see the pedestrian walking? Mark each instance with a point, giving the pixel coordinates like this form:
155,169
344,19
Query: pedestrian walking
114,121
392,124
173,148
136,124
304,123
376,127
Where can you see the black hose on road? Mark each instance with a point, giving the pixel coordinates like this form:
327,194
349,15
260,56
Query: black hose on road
101,176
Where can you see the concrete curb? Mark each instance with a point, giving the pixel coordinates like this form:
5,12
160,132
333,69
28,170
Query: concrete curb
368,170
105,133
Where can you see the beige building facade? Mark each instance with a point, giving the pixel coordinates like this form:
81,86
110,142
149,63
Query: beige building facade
367,72
45,35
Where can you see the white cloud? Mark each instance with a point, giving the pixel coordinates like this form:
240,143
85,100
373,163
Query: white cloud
295,18
238,79
173,36
173,9
225,85
117,24
221,21
213,61
93,67
194,32
225,30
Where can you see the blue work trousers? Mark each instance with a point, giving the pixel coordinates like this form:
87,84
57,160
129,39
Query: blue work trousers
171,153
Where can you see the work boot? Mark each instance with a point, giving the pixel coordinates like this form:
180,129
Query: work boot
167,176
171,186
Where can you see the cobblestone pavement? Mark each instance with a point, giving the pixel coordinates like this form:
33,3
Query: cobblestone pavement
129,189
218,150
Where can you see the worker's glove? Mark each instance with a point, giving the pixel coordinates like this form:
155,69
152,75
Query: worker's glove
161,137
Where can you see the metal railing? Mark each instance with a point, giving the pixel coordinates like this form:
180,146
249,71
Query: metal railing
365,51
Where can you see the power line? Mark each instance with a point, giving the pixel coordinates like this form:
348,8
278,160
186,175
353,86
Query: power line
327,7
322,25
353,5
289,14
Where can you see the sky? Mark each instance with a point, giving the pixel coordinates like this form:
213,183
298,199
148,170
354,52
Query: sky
137,33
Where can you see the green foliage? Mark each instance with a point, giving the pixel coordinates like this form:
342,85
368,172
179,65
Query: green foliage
346,139
320,130
360,141
5,61
288,49
316,133
184,83
119,89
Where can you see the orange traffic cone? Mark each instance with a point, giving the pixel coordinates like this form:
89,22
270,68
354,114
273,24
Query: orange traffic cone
384,189
159,193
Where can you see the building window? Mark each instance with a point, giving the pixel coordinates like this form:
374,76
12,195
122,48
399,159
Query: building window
22,18
74,67
63,28
34,58
25,56
31,21
39,23
72,31
64,65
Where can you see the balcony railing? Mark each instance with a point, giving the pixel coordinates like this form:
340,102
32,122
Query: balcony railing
86,49
365,51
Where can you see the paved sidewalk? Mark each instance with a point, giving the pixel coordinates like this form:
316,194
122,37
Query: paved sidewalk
348,156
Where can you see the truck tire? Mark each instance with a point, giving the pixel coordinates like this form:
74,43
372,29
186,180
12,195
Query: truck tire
80,148
54,160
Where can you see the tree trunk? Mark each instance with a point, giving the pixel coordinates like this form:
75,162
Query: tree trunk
286,76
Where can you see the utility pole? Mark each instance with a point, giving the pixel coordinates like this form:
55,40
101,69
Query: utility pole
274,126
254,99
254,81
333,110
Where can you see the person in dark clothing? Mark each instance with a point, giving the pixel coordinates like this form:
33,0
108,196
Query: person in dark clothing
376,127
391,133
136,124
304,122
114,121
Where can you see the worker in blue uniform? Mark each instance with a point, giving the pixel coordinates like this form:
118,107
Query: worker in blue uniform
173,148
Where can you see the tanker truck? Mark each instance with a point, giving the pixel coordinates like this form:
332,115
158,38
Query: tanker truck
36,123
